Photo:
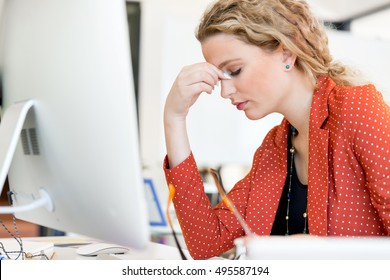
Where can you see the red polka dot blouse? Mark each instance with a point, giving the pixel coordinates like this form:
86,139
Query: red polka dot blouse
349,176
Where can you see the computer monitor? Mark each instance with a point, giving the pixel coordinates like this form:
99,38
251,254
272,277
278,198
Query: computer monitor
68,92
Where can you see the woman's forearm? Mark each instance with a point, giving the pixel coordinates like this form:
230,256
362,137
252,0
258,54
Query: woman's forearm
176,140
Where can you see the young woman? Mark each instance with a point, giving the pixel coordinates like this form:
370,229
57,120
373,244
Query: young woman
325,170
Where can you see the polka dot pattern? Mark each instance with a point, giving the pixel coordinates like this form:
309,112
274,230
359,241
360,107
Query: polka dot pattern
349,176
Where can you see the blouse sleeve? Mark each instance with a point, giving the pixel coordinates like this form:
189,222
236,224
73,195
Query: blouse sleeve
371,144
208,232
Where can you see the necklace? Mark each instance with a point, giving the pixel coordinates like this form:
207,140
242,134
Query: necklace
294,132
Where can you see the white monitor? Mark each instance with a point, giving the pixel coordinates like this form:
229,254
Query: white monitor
68,92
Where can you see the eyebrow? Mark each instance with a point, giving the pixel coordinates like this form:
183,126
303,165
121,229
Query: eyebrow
220,66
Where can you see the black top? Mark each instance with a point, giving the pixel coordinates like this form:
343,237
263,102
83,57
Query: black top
298,204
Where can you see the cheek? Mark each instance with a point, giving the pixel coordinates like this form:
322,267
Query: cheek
257,76
266,80
249,81
257,83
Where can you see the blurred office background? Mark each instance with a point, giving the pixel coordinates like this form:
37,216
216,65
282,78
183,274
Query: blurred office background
162,41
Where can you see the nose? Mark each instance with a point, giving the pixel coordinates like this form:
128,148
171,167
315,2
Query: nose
227,88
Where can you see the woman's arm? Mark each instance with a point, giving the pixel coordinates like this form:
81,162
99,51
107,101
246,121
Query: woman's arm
189,84
207,232
372,147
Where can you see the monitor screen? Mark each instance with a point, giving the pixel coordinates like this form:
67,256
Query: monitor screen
68,92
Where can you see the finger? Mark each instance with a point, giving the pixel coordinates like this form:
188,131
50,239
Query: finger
208,69
208,77
201,87
222,75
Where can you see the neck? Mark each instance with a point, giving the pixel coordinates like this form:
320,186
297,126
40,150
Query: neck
298,102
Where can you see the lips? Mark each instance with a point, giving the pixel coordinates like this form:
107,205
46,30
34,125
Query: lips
240,105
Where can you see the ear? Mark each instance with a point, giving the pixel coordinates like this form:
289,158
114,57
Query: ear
288,58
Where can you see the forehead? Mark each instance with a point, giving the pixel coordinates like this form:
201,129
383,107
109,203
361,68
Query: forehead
222,47
220,42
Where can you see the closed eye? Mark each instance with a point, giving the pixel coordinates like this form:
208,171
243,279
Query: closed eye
235,73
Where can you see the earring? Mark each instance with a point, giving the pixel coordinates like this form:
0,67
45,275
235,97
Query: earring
287,66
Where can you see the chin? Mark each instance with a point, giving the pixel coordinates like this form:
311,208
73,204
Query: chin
254,117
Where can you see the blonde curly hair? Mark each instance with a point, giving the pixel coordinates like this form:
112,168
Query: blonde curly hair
269,23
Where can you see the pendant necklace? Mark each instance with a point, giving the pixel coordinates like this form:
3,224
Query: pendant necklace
294,132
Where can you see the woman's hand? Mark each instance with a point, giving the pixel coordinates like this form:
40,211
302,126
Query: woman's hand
189,84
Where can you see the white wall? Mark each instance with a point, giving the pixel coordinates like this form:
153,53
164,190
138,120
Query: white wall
374,26
371,56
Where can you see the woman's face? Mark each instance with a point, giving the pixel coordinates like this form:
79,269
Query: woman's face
258,83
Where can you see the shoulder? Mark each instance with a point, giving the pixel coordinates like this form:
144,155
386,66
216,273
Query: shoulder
357,101
355,97
358,109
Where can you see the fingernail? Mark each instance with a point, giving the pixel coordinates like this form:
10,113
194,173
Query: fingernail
227,75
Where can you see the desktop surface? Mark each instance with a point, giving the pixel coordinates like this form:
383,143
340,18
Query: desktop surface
65,248
256,248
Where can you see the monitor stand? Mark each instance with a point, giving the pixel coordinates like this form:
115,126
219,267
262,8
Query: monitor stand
10,128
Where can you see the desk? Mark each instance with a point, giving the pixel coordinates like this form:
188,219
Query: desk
65,249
